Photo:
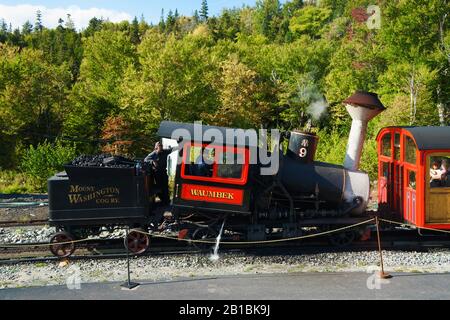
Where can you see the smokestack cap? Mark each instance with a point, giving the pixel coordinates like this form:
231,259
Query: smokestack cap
365,99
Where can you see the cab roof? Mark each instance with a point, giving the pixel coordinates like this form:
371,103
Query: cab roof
167,129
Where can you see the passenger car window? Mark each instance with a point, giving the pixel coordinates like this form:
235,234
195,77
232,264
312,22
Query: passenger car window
397,146
410,150
439,171
386,170
412,179
386,145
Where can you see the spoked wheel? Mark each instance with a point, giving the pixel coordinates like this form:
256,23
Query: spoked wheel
204,234
61,245
137,241
342,239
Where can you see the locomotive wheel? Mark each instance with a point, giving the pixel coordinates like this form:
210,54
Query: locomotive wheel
137,242
342,239
61,245
205,234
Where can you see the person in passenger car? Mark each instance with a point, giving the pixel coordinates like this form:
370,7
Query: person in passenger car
435,175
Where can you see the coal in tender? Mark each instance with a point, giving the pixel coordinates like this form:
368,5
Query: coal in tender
102,160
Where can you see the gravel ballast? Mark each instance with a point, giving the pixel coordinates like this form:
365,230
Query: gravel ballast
200,265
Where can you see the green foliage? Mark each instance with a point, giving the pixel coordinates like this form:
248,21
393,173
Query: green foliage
331,147
15,182
32,96
309,20
44,160
263,66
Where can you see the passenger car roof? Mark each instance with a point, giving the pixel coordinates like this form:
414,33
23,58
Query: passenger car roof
429,138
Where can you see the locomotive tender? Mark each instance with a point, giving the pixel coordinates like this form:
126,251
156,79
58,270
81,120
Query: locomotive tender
302,196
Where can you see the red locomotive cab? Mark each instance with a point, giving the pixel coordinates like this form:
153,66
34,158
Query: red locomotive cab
214,172
408,186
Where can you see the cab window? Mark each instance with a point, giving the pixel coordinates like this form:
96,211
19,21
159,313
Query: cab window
215,163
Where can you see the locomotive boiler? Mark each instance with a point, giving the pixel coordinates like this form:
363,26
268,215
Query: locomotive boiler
338,190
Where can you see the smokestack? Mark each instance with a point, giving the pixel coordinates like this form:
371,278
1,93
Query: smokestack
362,107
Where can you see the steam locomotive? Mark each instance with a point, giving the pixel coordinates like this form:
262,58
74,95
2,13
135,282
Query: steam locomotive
301,196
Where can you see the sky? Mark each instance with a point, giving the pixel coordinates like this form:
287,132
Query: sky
81,11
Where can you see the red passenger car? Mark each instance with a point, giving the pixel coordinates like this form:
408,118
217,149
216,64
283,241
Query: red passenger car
414,174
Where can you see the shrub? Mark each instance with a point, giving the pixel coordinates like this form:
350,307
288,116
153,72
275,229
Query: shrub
15,182
332,147
46,159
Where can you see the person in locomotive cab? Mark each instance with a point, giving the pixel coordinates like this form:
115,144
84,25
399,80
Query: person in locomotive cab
158,160
203,166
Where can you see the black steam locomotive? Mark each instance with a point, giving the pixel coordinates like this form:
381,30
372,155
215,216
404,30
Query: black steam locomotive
302,195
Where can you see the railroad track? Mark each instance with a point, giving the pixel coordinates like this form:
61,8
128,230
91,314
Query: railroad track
22,223
113,249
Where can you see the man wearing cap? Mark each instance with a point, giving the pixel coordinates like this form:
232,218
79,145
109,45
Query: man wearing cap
158,160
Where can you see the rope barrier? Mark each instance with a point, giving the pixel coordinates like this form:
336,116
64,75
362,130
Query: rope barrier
228,242
413,226
262,241
194,241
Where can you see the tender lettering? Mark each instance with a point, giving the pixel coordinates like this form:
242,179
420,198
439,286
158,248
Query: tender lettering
104,195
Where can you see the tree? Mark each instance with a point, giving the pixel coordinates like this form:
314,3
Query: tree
268,17
204,11
134,32
107,56
170,22
309,20
414,44
162,23
94,26
38,24
32,97
27,28
196,16
116,133
69,23
238,95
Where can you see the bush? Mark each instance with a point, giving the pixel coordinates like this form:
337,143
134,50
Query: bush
332,147
43,161
15,182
